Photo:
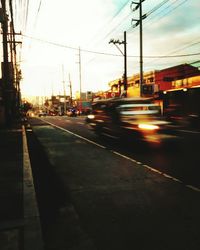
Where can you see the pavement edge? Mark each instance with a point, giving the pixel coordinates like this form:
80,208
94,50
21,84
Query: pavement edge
33,239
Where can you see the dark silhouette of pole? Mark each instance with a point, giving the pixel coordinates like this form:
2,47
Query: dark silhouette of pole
5,43
139,22
125,65
7,84
70,87
115,42
80,76
141,51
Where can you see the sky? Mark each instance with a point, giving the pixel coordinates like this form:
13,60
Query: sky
68,41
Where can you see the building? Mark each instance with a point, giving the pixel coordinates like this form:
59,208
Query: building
157,81
57,104
149,86
165,78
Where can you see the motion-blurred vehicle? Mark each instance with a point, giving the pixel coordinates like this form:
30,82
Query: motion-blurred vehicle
188,121
137,119
42,113
72,112
52,113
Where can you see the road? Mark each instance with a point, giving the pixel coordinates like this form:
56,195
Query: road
97,193
180,160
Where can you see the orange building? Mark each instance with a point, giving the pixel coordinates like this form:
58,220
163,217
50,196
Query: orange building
157,81
165,78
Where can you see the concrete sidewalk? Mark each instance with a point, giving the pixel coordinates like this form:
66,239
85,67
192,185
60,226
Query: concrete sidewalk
19,217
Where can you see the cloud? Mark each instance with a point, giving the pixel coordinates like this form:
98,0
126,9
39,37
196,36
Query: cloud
90,25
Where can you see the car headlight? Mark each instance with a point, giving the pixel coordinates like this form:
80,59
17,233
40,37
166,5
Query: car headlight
90,116
146,126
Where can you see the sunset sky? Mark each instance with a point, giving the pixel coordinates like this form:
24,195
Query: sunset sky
53,31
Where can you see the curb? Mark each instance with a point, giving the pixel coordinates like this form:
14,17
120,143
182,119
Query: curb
33,239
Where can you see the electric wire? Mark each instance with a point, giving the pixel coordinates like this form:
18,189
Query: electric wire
149,22
156,8
104,53
146,24
121,21
148,13
38,11
110,21
25,15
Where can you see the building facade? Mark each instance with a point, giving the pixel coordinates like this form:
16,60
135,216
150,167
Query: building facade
156,81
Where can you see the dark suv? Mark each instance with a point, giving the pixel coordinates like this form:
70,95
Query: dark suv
130,118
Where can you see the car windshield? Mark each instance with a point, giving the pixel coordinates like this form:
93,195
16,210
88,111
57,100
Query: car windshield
139,109
137,112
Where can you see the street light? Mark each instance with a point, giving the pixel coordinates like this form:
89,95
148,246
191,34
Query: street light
115,42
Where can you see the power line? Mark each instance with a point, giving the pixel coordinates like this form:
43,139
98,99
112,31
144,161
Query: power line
168,56
38,11
26,14
110,21
175,7
104,53
184,47
148,13
157,7
162,11
198,61
108,34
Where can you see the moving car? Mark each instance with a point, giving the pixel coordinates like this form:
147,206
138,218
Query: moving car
42,113
130,118
72,112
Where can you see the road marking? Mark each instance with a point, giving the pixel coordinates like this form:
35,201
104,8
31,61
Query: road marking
79,136
128,158
32,240
124,156
193,188
190,131
152,169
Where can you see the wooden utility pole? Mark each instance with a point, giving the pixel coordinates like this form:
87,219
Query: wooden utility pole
115,42
64,89
8,90
80,76
70,88
125,64
139,22
141,51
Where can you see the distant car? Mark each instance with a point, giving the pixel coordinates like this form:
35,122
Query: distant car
137,119
72,112
42,113
53,113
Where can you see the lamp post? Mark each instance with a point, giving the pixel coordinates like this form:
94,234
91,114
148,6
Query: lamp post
115,42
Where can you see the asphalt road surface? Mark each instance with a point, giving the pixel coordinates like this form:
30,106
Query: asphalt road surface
180,159
94,193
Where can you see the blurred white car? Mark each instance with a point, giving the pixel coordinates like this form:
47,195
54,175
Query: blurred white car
42,113
137,119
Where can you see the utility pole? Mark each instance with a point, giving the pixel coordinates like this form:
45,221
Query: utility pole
80,82
64,90
125,60
80,76
70,88
7,84
139,22
16,71
125,65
